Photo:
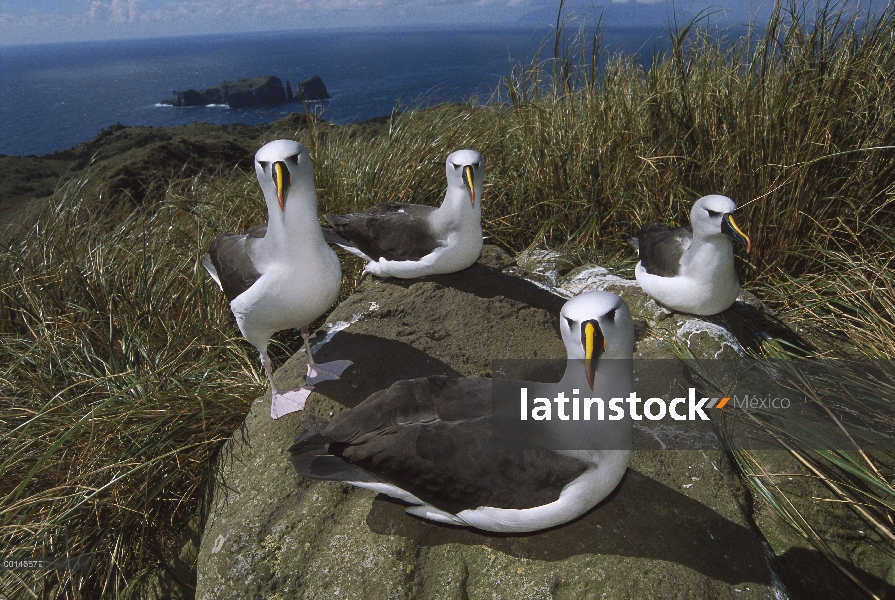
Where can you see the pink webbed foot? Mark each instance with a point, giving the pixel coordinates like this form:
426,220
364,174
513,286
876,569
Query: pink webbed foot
326,371
283,403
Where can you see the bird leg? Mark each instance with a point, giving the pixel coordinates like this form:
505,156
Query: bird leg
322,371
283,403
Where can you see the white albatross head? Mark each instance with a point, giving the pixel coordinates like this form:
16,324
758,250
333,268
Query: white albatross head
713,216
286,174
465,170
596,325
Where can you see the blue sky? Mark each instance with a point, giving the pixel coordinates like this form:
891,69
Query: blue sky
44,21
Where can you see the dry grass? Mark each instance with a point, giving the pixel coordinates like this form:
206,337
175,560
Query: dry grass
122,373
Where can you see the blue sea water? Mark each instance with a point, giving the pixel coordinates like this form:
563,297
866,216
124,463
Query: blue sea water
55,96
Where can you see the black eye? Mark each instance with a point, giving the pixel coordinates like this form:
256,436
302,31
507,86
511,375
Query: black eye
712,213
611,314
456,166
570,322
294,157
262,164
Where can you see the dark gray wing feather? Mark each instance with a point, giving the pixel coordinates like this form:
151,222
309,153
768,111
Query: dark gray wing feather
661,248
333,238
391,230
431,438
232,260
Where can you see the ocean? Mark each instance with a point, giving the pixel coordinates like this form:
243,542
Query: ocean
55,96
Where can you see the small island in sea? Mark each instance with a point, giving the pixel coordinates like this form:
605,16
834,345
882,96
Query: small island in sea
254,91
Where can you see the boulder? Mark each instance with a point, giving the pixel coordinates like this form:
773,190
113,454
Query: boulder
679,525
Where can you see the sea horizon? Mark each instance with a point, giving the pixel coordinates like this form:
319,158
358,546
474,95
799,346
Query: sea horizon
56,96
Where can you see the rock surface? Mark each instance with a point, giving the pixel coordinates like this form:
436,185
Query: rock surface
680,524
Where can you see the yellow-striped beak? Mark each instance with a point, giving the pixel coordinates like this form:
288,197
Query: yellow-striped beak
594,344
470,182
729,226
282,178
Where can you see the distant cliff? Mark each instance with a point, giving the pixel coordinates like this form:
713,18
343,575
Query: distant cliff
310,89
255,91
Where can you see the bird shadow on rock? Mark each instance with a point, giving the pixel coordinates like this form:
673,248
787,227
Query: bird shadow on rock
488,282
378,363
750,327
807,574
642,518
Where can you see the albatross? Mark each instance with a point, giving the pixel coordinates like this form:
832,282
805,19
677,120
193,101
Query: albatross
284,274
427,441
412,240
690,269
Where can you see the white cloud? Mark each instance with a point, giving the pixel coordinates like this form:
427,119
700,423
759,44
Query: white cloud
116,11
245,9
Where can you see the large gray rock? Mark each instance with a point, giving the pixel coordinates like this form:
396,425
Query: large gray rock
678,526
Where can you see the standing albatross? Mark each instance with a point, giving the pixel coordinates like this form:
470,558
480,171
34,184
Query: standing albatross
428,441
412,240
690,269
282,275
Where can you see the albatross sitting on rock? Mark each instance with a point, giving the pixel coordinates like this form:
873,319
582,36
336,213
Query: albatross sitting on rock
427,441
282,275
690,269
412,240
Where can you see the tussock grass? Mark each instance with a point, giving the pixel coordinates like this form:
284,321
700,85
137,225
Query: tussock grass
795,122
847,292
836,491
122,369
121,373
848,289
786,118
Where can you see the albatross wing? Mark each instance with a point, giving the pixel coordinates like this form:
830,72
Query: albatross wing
661,248
231,257
429,439
391,230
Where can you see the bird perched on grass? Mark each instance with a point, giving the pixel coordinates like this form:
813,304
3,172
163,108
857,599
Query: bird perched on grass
284,274
691,269
412,240
427,441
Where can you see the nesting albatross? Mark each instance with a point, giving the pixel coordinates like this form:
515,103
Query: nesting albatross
282,275
427,441
690,269
412,240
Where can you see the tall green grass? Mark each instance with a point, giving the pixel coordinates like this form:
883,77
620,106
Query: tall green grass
796,123
122,373
122,370
786,119
848,295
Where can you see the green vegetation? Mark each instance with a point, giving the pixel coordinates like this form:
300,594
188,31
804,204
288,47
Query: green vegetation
122,370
